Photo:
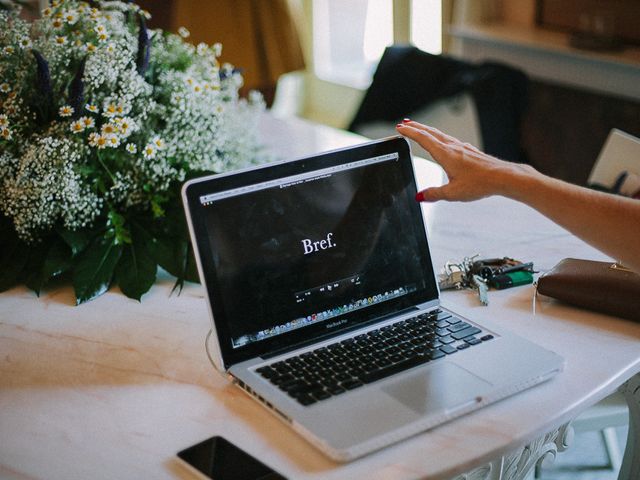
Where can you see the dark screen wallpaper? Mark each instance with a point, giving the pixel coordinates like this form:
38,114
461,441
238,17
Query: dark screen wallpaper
270,245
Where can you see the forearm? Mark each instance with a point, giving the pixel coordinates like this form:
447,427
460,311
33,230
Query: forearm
610,223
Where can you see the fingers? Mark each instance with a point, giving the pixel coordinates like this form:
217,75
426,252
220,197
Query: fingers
422,137
441,136
432,194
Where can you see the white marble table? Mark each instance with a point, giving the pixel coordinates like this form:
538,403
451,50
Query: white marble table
114,388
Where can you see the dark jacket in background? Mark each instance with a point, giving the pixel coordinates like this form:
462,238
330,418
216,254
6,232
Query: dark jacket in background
408,79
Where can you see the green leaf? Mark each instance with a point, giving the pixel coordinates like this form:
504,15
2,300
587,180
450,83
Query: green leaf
174,222
12,263
170,253
179,285
157,210
77,240
58,260
94,271
136,270
14,254
172,246
191,269
32,274
117,223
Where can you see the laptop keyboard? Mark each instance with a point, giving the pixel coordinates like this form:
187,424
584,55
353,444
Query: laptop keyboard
348,364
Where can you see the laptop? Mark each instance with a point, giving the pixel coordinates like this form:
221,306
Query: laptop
325,306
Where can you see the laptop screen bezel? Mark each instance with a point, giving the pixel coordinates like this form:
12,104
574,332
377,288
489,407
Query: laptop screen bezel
196,188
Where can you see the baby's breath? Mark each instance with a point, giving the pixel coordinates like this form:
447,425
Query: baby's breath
46,187
130,136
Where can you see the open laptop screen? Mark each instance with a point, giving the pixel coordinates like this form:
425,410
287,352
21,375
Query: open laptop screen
312,250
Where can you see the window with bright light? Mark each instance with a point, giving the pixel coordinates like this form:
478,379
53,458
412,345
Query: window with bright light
349,37
426,25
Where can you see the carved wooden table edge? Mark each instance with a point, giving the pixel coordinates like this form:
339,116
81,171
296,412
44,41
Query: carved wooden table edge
520,462
630,468
543,451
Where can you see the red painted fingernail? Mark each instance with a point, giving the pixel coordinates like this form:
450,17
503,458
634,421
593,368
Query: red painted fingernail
420,197
406,120
399,125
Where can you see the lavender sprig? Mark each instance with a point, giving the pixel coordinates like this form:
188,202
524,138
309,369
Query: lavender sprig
44,104
144,47
76,90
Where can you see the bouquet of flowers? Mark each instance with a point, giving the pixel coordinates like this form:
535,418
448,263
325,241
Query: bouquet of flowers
101,121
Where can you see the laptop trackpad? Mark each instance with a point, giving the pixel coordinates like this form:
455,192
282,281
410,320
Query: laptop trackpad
444,386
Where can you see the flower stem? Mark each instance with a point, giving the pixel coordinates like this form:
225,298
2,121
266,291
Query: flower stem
113,179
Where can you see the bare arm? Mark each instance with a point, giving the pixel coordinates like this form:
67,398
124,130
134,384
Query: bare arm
608,222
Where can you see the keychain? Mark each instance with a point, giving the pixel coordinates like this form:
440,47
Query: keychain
498,273
453,277
501,273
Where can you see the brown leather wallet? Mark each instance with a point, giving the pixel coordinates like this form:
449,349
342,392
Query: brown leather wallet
601,286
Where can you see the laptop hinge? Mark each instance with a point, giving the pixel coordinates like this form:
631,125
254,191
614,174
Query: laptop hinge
429,305
296,346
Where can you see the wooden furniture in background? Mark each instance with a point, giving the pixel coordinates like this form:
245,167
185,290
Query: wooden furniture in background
575,99
564,128
619,18
258,37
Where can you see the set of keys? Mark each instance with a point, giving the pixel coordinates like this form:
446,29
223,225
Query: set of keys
480,274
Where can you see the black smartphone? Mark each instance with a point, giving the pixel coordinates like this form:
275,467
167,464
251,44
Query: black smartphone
219,459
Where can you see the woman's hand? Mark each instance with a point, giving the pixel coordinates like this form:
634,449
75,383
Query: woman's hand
472,173
610,223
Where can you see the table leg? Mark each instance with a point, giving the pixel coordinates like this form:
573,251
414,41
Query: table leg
542,452
521,462
630,469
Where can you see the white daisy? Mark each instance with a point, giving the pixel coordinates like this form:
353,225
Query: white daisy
77,126
88,122
149,151
112,141
66,111
158,142
70,17
109,129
